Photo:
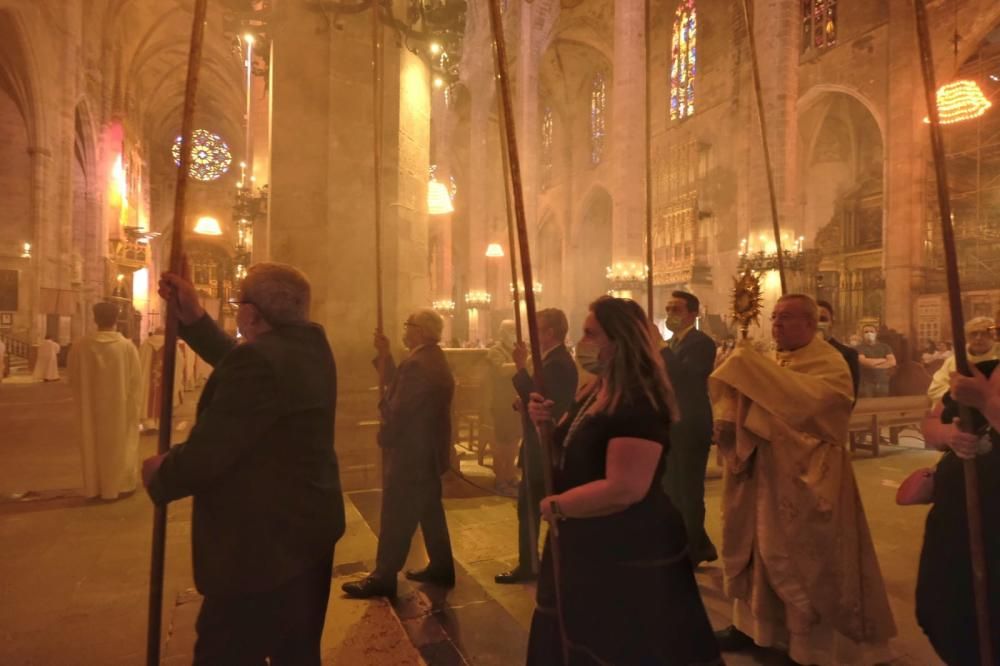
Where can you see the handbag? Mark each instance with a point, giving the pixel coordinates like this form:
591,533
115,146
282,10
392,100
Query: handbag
917,488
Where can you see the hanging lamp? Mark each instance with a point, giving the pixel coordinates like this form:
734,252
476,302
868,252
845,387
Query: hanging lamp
960,100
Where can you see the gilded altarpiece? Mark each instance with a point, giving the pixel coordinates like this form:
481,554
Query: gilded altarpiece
679,247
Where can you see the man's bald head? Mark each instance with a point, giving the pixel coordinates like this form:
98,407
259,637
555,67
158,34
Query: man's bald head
793,322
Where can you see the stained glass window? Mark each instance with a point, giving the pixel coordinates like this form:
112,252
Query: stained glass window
819,23
685,61
548,125
210,156
598,120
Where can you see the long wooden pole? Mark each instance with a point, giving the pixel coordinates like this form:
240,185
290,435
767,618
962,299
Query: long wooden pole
545,432
768,168
977,550
170,344
649,161
378,97
526,460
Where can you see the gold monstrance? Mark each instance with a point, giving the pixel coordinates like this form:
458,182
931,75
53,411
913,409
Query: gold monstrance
747,301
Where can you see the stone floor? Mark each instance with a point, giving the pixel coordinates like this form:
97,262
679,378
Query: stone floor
73,574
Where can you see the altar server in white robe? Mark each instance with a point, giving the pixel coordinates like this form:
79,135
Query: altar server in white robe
104,375
47,364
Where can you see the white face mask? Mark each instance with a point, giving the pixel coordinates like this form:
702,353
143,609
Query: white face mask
588,356
824,329
870,338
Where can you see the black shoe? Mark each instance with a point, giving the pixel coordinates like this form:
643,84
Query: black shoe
371,586
442,577
514,576
732,639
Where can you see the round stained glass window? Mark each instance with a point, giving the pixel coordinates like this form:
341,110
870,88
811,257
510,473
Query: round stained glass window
210,156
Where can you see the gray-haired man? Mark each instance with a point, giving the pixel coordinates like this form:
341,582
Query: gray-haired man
261,467
416,440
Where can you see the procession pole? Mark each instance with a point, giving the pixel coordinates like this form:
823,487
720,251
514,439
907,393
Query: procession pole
768,169
526,462
176,266
378,95
649,164
545,431
972,500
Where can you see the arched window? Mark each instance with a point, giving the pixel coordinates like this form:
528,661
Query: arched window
598,117
819,24
685,61
548,125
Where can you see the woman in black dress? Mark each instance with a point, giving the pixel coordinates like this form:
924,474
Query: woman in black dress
628,591
945,603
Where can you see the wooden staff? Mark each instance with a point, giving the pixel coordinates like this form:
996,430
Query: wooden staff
525,459
649,162
545,432
972,501
768,169
378,96
170,334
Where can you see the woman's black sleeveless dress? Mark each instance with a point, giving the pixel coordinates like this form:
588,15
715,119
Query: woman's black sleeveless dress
628,589
945,603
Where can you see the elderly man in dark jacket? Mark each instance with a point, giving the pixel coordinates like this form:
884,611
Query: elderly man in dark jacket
416,441
690,359
261,466
560,377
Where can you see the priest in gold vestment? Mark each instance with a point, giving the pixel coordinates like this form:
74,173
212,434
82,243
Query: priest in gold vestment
797,555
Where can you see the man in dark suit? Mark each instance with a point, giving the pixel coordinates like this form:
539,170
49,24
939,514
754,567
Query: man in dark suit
416,441
850,354
690,359
560,376
261,466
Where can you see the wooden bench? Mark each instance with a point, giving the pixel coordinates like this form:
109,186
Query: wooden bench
872,414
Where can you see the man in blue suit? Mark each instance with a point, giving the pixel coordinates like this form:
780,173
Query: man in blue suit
690,359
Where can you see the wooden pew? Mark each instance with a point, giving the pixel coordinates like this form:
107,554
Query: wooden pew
895,412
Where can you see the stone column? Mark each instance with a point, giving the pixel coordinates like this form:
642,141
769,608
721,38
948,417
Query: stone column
776,27
906,150
628,135
321,213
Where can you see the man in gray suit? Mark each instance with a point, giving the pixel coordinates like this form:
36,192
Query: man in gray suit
690,359
416,440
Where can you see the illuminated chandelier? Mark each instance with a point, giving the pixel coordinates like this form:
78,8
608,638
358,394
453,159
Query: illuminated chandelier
444,306
960,100
210,156
478,300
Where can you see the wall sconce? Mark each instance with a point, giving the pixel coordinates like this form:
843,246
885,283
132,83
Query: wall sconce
26,251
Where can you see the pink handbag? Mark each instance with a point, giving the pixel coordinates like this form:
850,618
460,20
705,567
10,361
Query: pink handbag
917,488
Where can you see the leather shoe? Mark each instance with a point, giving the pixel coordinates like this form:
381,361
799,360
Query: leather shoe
732,639
371,586
442,577
514,576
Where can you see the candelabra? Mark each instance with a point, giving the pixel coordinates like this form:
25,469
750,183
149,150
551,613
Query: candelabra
765,257
478,300
444,307
626,277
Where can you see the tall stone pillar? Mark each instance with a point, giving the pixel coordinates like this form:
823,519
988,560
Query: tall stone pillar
906,146
321,213
628,102
777,32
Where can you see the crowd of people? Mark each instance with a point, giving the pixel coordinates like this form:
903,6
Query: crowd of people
626,457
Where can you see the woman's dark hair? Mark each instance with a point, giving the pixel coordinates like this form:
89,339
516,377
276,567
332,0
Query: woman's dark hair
637,368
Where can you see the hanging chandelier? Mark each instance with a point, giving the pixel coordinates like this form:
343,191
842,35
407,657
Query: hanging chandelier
960,100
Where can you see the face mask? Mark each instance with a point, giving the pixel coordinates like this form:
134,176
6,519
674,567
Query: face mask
588,356
870,338
824,329
674,322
